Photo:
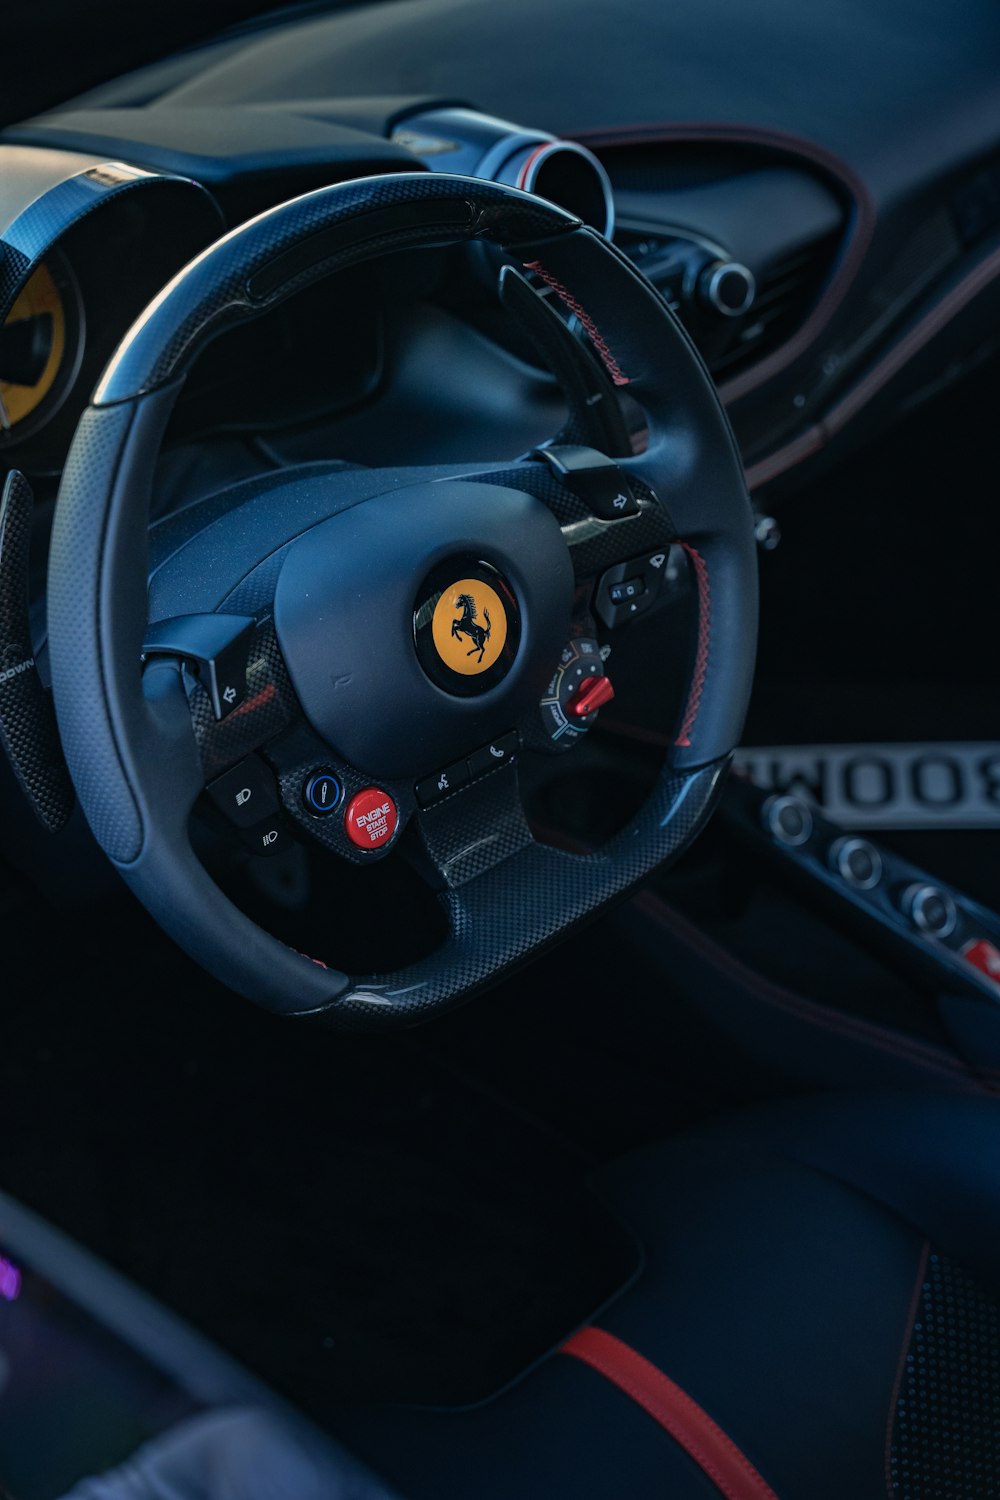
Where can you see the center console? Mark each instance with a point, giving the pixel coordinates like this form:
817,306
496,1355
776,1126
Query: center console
918,921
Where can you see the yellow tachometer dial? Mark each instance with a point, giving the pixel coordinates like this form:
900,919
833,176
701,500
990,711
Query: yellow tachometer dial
40,300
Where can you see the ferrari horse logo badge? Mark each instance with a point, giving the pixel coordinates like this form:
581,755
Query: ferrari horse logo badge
469,626
466,625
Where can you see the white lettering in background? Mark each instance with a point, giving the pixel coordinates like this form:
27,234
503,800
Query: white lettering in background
933,785
12,672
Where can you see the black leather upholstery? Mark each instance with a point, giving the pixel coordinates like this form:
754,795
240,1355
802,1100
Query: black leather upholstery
783,1251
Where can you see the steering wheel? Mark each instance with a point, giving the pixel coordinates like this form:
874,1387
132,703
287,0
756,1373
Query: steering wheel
352,631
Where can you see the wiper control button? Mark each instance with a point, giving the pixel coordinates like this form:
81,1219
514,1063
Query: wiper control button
322,793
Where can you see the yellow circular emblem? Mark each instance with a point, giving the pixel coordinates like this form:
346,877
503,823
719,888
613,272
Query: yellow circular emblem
39,296
469,627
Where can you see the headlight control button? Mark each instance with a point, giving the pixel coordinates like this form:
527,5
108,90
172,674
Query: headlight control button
246,794
370,819
270,836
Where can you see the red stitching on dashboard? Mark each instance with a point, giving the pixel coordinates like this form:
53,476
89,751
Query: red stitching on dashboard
704,638
857,236
566,297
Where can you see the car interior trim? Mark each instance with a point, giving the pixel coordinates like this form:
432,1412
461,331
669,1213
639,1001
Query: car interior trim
500,751
700,569
148,1327
715,1453
904,1353
35,229
919,334
857,239
921,1055
566,297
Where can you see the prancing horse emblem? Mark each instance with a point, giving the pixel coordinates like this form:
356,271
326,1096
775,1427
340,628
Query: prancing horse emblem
466,625
469,630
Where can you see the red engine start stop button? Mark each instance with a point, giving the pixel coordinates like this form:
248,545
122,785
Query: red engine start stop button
370,819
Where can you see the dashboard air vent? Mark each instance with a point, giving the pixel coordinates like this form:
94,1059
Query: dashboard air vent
787,290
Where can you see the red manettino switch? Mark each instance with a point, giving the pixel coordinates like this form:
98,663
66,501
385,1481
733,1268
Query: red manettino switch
590,697
984,956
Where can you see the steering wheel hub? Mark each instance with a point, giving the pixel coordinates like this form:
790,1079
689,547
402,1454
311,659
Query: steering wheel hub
405,645
466,626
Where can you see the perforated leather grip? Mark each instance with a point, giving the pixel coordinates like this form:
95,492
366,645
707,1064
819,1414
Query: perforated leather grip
290,246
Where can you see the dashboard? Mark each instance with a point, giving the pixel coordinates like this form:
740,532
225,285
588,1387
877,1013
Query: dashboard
830,235
86,244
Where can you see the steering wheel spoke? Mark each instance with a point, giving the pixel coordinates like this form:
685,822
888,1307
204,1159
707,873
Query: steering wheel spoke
608,514
266,706
478,827
514,894
595,545
176,776
668,471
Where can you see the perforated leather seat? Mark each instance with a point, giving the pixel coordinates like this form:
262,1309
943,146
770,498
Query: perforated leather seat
819,1278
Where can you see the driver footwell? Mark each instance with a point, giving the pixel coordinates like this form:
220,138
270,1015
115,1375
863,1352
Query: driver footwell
352,1218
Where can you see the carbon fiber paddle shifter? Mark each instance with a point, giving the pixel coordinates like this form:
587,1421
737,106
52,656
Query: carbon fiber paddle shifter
27,718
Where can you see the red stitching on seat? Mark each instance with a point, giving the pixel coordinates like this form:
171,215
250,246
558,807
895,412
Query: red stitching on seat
703,1440
566,297
704,638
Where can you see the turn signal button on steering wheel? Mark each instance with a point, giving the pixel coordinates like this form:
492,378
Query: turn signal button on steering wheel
370,819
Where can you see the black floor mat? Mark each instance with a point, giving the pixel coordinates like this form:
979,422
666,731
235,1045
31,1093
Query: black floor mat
348,1216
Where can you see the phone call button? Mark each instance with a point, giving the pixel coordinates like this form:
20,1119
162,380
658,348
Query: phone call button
496,753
